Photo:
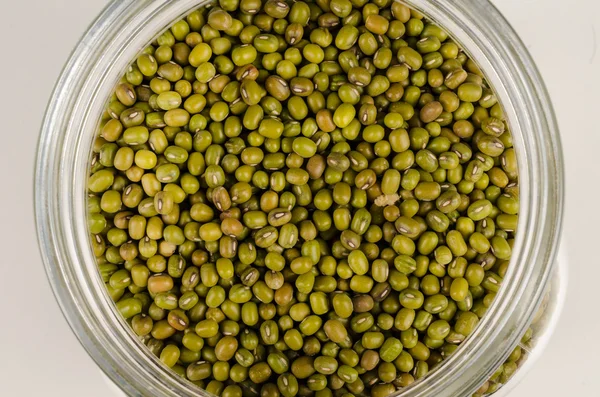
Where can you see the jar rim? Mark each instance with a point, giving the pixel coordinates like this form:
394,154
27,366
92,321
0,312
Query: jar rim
106,49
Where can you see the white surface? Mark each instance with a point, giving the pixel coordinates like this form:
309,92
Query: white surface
40,356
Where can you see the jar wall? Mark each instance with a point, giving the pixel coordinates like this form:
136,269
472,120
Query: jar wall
123,29
542,325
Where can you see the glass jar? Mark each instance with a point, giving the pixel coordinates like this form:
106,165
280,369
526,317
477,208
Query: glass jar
127,26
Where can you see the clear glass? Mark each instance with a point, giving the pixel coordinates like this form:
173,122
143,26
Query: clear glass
125,27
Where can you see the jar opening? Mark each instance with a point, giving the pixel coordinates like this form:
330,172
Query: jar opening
71,122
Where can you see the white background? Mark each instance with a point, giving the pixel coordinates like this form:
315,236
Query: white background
38,353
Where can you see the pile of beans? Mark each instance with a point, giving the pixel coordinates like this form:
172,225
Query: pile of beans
303,198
